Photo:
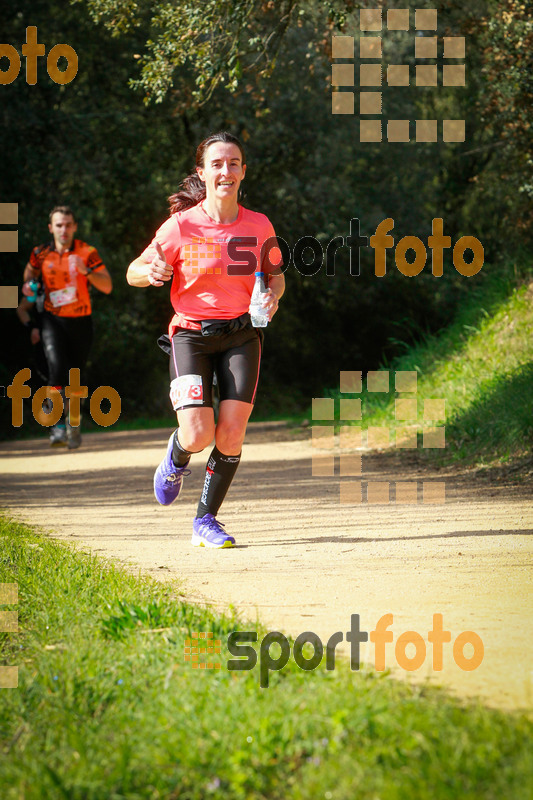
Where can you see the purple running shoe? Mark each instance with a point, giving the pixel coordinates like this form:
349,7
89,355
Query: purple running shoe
168,477
208,532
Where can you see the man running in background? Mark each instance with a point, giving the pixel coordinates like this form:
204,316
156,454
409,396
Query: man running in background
66,268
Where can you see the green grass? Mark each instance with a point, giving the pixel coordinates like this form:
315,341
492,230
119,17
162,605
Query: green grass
482,365
107,708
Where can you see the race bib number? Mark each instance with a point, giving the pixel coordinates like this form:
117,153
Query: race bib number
186,390
62,297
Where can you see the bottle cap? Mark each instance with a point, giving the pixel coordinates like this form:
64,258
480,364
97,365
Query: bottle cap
259,273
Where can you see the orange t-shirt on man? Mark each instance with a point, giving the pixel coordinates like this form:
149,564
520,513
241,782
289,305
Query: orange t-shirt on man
66,289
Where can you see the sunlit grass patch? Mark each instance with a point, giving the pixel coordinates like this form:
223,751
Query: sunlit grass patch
107,707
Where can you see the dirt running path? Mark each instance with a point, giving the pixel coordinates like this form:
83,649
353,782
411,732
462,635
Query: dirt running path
304,561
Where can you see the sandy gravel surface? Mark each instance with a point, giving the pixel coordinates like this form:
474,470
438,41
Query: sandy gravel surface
304,561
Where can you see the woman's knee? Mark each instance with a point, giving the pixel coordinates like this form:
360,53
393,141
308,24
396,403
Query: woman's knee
196,430
230,436
196,439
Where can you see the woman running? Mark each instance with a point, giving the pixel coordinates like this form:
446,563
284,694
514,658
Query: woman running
202,247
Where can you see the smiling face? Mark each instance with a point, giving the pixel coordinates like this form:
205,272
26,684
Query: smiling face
222,171
63,229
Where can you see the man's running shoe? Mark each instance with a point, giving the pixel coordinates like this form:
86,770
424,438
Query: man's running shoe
208,532
73,436
58,436
168,477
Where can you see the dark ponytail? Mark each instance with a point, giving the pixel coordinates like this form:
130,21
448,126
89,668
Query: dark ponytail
192,190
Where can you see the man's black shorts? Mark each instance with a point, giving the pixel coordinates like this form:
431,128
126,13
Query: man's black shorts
66,342
235,357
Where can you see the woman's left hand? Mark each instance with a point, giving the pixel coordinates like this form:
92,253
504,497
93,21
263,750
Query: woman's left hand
270,302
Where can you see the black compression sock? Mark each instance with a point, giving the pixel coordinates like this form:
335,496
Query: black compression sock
218,477
180,456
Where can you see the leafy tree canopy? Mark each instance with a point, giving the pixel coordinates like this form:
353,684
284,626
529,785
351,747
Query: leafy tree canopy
217,41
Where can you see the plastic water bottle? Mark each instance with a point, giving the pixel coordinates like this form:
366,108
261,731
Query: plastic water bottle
29,290
259,316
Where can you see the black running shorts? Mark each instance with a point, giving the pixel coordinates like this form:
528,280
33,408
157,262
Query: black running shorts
235,357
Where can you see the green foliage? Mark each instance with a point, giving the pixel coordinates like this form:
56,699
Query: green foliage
500,195
107,708
94,144
125,617
482,365
217,41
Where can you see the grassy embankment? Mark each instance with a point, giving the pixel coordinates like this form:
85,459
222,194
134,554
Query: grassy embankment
482,366
107,708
